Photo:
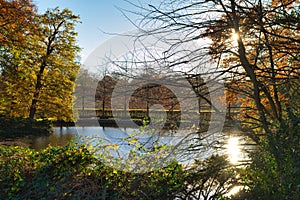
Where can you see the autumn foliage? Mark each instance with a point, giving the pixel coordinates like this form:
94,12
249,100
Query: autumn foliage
15,20
38,61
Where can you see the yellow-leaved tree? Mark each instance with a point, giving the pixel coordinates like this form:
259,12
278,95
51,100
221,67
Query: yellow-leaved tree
39,75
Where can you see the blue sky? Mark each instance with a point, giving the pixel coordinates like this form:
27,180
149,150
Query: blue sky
96,16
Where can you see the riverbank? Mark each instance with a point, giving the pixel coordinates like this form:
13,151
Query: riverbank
14,142
19,127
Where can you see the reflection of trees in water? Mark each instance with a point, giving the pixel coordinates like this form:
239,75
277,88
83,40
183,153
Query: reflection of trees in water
55,139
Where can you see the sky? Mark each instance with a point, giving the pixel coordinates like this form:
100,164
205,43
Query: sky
98,17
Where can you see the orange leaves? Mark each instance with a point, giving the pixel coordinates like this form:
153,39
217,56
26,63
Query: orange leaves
270,44
229,61
284,3
15,20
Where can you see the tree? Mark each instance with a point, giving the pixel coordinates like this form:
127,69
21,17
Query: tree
39,75
16,25
257,40
86,84
103,94
57,59
267,49
255,46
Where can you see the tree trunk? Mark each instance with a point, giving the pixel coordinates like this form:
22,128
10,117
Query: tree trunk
38,88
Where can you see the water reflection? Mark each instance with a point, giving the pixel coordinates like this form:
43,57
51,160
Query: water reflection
61,136
234,142
233,149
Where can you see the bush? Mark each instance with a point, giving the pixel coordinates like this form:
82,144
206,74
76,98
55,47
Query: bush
72,172
28,174
274,172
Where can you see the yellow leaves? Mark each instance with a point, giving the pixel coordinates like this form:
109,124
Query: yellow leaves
18,69
115,147
133,141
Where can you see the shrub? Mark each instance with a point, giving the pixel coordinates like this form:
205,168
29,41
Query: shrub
72,172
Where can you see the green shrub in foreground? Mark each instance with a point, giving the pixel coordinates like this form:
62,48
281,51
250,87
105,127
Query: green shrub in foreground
66,173
28,174
72,172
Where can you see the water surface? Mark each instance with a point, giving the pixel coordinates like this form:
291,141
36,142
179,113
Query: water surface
232,143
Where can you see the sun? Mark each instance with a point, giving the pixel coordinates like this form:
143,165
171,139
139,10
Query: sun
234,36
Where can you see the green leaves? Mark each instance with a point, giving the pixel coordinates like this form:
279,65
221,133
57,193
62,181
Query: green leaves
72,172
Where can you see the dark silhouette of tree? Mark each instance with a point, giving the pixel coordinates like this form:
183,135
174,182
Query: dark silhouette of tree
255,48
104,93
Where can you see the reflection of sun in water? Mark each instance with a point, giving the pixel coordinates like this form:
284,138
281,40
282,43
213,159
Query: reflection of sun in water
234,191
233,150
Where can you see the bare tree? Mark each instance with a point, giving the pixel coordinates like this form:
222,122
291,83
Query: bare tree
254,46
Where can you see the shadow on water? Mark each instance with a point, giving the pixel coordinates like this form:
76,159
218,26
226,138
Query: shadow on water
60,137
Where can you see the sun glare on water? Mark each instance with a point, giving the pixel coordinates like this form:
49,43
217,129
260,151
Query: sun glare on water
234,153
234,150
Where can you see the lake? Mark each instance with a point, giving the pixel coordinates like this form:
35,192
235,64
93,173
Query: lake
232,143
